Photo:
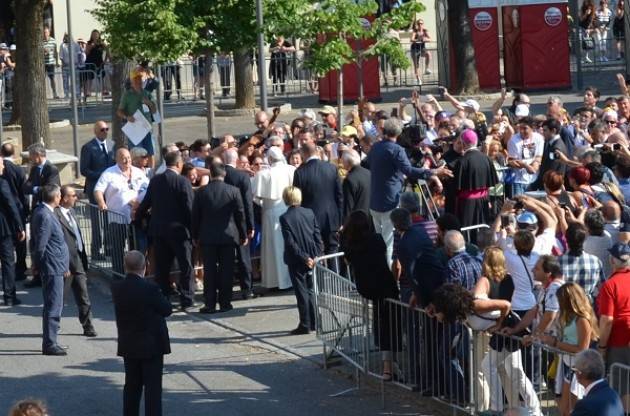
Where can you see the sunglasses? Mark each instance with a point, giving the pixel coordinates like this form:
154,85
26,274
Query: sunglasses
104,129
610,121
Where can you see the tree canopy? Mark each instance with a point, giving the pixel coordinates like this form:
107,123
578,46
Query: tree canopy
152,30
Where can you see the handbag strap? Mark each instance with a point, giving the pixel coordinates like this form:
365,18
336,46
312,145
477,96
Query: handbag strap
531,281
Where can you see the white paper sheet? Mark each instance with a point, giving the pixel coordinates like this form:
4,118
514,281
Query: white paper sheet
137,130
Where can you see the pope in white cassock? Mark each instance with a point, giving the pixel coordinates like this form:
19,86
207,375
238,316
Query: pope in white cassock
268,185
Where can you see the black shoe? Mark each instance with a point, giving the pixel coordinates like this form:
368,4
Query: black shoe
89,332
12,301
56,350
226,308
300,330
20,278
207,309
33,283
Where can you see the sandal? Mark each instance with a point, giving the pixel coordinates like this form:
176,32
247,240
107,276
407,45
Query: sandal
387,376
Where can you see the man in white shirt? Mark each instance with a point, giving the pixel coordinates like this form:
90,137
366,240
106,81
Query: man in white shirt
525,150
119,190
548,272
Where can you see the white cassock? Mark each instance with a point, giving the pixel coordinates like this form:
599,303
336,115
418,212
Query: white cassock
268,185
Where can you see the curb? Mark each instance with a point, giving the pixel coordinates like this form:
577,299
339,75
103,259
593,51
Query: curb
52,125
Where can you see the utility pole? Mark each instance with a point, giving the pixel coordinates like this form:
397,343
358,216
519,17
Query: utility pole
262,79
73,86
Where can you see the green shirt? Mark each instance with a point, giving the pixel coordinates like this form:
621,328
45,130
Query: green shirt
132,101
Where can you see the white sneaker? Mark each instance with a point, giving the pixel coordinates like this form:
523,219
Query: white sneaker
588,60
428,72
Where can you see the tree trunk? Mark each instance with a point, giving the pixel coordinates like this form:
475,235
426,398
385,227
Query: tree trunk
120,70
244,79
461,37
30,79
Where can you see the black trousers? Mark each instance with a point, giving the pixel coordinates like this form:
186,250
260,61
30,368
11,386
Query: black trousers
165,250
168,73
331,246
77,282
116,238
224,72
20,257
244,268
7,247
218,271
302,281
143,375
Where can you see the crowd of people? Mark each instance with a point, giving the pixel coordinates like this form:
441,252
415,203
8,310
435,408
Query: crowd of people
552,268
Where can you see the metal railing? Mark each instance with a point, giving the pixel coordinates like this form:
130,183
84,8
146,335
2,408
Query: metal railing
107,236
469,371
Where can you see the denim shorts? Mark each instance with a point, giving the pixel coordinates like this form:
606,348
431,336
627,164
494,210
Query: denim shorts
146,144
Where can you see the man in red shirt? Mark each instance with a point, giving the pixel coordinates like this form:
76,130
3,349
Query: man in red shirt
613,303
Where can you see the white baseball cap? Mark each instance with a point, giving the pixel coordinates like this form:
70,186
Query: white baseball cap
470,103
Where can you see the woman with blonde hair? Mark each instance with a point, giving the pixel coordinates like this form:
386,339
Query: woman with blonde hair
501,368
577,330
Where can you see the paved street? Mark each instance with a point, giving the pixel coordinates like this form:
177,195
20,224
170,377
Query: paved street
252,369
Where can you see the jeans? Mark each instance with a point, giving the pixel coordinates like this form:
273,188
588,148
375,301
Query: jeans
383,225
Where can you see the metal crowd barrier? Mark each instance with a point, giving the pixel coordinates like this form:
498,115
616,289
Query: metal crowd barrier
619,380
469,371
107,236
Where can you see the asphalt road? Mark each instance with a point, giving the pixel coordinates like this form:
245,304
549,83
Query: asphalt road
212,370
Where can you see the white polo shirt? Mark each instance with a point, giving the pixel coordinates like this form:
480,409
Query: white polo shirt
119,192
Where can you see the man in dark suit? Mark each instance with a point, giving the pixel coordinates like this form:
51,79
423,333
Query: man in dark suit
241,180
42,173
550,159
218,226
302,243
16,179
11,230
77,281
96,156
51,260
143,340
170,197
321,192
356,186
599,399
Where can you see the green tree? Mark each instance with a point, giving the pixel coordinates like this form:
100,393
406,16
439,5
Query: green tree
31,108
336,24
227,26
147,30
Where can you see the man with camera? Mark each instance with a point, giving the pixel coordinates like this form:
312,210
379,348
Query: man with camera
389,164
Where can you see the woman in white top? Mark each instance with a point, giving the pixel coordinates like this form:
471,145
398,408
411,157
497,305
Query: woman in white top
268,185
603,17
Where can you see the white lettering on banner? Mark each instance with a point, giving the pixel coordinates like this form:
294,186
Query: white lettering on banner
482,21
553,16
476,4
